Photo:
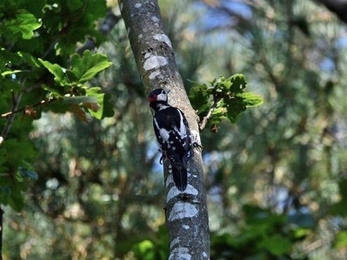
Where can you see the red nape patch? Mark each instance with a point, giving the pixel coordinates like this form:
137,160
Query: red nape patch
152,99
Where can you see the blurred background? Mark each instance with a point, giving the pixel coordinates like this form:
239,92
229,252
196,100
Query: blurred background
276,179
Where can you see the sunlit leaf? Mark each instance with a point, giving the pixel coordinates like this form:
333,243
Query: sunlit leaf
225,96
10,72
86,67
55,69
341,240
146,250
96,93
251,99
25,23
238,83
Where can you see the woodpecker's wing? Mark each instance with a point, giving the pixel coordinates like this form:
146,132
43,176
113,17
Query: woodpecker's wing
173,135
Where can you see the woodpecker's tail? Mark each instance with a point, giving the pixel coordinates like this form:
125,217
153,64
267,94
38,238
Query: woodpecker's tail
180,177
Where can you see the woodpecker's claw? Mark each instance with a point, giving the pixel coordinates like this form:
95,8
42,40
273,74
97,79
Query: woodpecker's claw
162,157
195,137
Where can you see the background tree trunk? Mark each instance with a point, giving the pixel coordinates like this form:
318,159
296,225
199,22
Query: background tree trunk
186,213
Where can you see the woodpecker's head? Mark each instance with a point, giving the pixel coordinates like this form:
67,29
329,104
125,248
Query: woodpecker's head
158,97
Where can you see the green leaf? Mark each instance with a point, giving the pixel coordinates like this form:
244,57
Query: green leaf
25,23
250,99
17,153
238,83
235,106
200,98
56,70
221,85
226,96
16,200
86,67
276,245
146,250
10,72
12,188
341,240
218,115
340,207
74,4
29,59
96,110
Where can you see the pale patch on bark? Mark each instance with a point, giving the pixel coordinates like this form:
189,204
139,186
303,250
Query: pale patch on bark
183,210
191,190
174,242
154,74
180,253
155,19
154,62
173,192
163,38
186,227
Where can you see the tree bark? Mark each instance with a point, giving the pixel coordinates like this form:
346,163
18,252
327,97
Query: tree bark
186,212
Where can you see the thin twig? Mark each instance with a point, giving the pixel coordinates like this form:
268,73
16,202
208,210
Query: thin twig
204,121
12,112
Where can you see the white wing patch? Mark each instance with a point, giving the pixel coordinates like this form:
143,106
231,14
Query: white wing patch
183,128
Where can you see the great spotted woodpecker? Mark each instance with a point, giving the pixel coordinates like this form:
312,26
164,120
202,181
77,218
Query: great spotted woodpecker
173,135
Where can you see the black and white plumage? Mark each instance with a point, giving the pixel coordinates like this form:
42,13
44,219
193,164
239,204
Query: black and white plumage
173,135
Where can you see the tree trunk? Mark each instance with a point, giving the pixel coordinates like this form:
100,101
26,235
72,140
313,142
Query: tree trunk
186,212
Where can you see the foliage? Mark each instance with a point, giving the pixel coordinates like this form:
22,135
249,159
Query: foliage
276,180
37,38
225,98
263,235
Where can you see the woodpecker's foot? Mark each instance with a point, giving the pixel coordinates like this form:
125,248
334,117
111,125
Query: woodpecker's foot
163,156
195,137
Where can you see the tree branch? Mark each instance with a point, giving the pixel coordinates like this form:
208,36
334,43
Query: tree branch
12,112
105,28
204,121
186,212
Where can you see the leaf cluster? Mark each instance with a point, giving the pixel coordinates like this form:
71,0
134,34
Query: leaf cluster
223,98
71,89
38,73
265,235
